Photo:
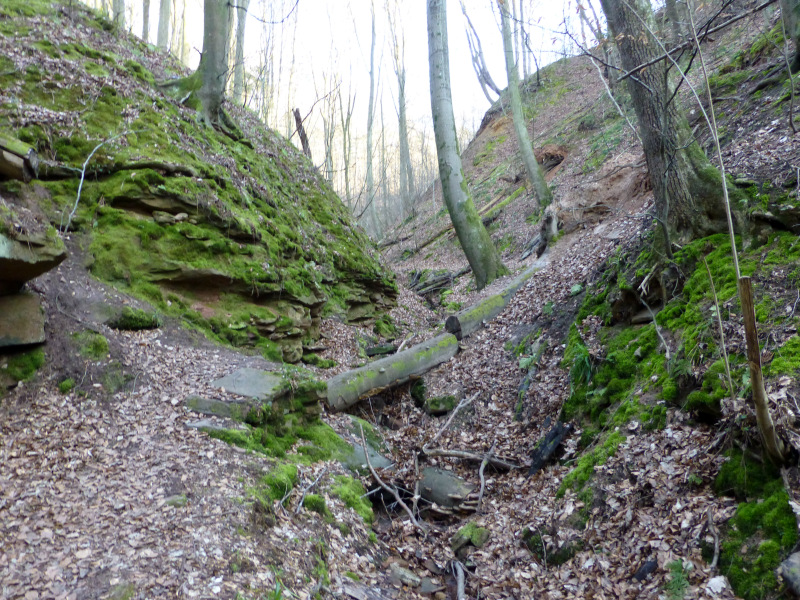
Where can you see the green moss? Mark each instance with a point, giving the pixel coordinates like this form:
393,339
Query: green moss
314,359
256,439
352,576
280,480
22,366
354,496
584,469
316,503
91,344
786,360
385,327
705,402
677,584
419,392
472,534
66,386
537,546
135,319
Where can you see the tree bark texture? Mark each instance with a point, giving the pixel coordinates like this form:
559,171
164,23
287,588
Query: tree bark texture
790,12
348,388
213,67
475,241
532,168
687,187
238,67
164,10
146,21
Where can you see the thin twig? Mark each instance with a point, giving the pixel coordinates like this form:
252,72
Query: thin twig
405,341
614,101
391,489
307,489
498,463
721,334
713,530
458,571
480,474
464,402
658,329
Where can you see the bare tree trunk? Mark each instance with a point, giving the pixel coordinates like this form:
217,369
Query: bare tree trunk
346,115
373,222
478,61
301,132
118,13
687,187
671,12
475,241
238,67
146,21
532,168
163,24
406,170
213,67
790,12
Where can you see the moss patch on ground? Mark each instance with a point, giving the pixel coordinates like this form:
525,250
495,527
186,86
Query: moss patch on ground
21,366
762,532
353,494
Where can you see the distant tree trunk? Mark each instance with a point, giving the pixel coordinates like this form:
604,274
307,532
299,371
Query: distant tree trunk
532,168
163,24
370,127
687,187
405,168
213,67
790,12
118,13
301,132
673,14
238,67
346,116
146,21
522,37
478,62
475,241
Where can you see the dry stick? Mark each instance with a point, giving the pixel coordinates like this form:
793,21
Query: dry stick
789,71
614,100
307,489
498,463
773,444
391,489
714,533
658,329
721,334
464,402
458,569
480,474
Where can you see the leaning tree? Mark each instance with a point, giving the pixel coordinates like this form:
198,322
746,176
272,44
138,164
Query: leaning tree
687,187
475,241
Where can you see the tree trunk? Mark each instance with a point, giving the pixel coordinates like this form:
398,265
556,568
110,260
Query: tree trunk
301,132
238,67
532,168
213,67
790,12
163,24
118,13
348,388
475,241
146,21
373,221
687,187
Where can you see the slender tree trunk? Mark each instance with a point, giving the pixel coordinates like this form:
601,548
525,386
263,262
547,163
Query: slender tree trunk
370,127
163,24
406,170
790,12
532,168
671,12
346,115
213,67
118,13
475,241
238,67
146,21
478,61
687,187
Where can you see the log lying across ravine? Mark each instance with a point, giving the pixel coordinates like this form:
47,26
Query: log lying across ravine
469,320
349,387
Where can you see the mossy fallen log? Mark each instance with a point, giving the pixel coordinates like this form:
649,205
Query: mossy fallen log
469,320
348,388
18,160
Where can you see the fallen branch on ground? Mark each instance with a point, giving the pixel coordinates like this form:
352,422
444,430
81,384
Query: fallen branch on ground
464,402
497,463
485,461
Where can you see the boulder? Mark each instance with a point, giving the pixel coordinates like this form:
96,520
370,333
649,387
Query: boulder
26,257
444,488
21,320
254,383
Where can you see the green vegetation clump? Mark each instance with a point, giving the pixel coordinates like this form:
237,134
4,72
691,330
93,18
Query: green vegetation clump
353,494
584,469
91,345
677,584
135,319
66,386
762,532
705,402
385,327
280,481
316,503
23,365
787,359
536,544
311,358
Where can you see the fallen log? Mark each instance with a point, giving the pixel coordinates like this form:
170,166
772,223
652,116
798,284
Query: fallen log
469,320
348,388
547,446
18,160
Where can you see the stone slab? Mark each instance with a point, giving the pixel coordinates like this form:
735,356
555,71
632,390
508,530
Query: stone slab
21,320
254,383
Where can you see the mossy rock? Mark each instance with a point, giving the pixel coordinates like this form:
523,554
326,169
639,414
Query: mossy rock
135,319
440,405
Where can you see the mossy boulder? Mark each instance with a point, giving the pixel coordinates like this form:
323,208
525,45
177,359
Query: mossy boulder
243,239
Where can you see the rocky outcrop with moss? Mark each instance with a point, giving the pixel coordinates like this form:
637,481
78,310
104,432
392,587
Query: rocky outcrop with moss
243,238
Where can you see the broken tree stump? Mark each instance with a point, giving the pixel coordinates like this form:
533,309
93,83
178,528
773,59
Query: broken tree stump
547,446
18,160
348,388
